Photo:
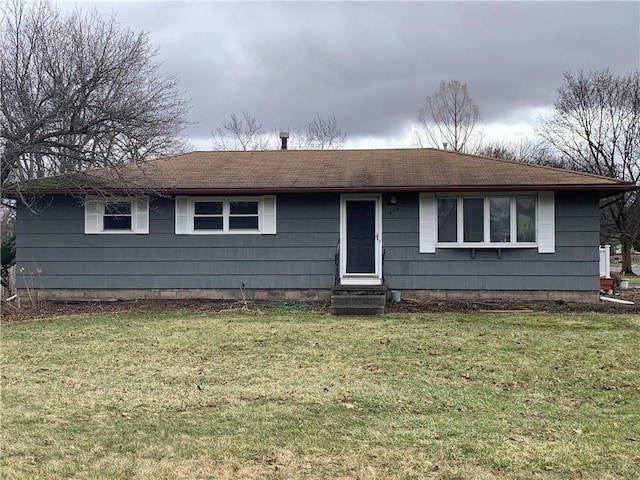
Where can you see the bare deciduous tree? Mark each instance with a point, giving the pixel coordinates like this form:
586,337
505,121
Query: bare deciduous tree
324,133
246,133
78,92
448,117
523,150
596,127
240,134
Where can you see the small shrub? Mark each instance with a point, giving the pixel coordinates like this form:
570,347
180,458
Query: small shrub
8,251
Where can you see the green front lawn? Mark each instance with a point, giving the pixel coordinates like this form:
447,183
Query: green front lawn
283,394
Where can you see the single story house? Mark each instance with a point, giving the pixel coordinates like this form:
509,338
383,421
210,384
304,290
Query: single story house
293,224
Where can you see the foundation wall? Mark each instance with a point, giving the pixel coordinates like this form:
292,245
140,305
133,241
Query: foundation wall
298,295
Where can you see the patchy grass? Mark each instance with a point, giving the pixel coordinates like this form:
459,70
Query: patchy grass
306,395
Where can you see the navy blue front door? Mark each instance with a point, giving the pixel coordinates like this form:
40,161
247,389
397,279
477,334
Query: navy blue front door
361,236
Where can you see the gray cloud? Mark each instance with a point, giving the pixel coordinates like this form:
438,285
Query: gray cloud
372,64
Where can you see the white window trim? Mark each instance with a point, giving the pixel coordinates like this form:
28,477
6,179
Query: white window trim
185,212
94,215
545,222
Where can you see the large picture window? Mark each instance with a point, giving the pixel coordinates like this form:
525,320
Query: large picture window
491,220
216,215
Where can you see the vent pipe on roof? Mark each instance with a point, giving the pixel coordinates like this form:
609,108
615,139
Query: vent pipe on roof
284,136
445,145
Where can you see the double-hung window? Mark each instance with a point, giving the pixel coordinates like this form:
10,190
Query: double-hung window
243,215
521,220
220,215
116,215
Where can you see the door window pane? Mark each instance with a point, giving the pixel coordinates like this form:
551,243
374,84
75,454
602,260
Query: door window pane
500,219
447,220
526,213
473,221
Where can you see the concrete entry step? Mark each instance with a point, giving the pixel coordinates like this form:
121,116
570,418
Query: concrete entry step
354,300
358,300
359,290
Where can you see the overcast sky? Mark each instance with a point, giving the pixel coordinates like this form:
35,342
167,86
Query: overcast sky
372,64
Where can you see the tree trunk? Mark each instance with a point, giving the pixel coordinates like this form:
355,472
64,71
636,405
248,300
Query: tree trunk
626,257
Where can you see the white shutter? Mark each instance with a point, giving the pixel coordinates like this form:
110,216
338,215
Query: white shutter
428,218
140,215
182,216
268,215
93,209
546,223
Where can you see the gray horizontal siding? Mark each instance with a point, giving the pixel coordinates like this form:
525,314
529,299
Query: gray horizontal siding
53,251
528,255
488,282
492,268
193,254
574,265
168,268
169,240
115,280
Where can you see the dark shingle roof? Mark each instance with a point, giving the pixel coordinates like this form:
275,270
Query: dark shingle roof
353,170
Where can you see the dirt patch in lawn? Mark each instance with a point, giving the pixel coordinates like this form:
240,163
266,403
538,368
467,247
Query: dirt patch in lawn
499,305
11,312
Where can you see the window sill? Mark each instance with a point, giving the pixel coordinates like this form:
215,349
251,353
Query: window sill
488,246
116,232
233,232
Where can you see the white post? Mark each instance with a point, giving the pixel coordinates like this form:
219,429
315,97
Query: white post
605,261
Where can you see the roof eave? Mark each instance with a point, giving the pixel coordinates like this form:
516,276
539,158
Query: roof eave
605,190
